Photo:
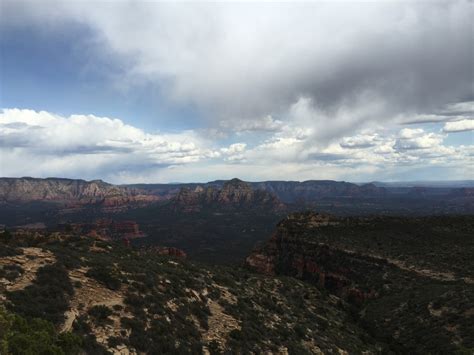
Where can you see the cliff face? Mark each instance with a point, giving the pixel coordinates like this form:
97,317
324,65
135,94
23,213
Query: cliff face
233,194
71,192
404,277
290,252
360,257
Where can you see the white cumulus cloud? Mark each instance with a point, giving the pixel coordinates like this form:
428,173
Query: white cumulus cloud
40,143
87,144
459,126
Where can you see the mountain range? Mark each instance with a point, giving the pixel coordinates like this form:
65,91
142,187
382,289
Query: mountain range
99,192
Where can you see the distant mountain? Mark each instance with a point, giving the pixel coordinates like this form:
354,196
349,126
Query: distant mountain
233,194
435,184
292,191
287,191
70,191
311,193
463,192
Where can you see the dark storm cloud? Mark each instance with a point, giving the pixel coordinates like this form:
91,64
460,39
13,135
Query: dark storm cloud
246,61
327,157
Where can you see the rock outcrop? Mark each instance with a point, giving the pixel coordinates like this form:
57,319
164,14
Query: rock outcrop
294,249
234,194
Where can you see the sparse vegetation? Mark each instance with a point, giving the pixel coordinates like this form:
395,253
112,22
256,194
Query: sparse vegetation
401,276
157,304
47,297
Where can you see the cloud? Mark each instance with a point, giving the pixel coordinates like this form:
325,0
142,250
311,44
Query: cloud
350,64
449,112
459,126
359,141
234,148
425,118
266,124
417,139
281,90
234,152
460,108
39,143
88,144
379,151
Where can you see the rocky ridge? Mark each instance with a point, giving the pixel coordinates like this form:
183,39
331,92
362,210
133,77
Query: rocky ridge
312,190
234,194
71,192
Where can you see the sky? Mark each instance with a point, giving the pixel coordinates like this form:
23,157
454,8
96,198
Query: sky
147,91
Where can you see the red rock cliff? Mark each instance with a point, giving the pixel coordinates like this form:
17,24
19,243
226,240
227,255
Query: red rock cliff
294,249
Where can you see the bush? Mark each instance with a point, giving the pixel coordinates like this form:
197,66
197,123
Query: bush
11,272
47,297
105,276
214,348
100,313
114,341
34,336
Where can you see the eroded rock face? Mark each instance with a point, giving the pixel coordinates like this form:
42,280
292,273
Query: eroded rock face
288,252
72,192
262,262
233,194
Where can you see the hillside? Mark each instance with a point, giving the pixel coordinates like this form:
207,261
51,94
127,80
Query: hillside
409,280
79,293
320,284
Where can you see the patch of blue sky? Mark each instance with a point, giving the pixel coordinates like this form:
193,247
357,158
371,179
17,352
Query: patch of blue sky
61,72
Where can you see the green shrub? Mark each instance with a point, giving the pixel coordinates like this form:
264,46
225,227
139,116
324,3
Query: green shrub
34,336
105,276
100,313
47,297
